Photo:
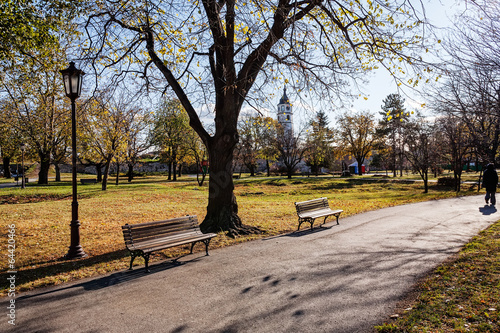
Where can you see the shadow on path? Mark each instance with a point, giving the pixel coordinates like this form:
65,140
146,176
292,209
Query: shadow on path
488,210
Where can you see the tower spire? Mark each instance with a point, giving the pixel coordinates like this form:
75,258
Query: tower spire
284,99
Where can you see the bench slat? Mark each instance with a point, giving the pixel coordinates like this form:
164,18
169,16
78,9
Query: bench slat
184,235
162,244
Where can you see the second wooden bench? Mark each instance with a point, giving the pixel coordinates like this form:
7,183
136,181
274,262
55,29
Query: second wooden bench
310,210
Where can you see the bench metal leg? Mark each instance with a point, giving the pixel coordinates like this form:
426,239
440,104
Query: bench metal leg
146,259
206,241
310,221
133,255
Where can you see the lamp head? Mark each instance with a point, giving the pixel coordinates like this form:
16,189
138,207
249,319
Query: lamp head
72,78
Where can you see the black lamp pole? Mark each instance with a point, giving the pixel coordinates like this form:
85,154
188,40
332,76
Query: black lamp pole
22,146
73,84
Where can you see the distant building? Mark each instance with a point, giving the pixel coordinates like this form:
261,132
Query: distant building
285,114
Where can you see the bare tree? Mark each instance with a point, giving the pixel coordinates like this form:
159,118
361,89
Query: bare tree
420,148
471,89
456,142
291,149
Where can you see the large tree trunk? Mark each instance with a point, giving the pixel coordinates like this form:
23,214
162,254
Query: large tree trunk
43,174
222,209
6,167
98,169
130,173
174,164
117,173
58,172
360,164
252,170
104,186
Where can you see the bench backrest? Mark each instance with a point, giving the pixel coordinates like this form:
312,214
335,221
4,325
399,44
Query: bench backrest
136,233
310,205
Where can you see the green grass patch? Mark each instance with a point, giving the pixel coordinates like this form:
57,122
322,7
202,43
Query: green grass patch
462,295
42,215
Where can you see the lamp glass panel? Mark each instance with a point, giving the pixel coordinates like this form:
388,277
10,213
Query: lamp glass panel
74,83
66,84
80,81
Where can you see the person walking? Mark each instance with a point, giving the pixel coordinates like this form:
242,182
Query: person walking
490,182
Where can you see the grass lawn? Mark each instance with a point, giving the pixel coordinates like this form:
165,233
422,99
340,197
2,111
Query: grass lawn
42,214
461,295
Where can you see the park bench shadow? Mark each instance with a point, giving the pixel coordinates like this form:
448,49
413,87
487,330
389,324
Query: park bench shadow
304,232
113,279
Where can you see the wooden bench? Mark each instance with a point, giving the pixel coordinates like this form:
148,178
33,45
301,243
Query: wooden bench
88,181
310,210
144,238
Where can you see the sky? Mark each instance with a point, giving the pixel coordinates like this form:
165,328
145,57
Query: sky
439,13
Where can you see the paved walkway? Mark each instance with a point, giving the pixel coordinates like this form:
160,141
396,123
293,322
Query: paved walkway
343,278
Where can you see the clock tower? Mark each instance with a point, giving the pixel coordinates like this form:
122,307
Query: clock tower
285,114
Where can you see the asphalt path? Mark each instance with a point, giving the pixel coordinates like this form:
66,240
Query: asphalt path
337,278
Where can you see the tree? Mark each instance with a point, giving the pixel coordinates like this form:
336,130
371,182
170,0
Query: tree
266,136
60,152
27,26
33,99
199,153
247,148
391,127
319,140
104,130
171,125
291,151
257,135
471,89
215,50
456,143
420,148
137,126
9,142
357,136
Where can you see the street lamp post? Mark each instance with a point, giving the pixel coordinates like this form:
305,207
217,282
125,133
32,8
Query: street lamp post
72,78
22,146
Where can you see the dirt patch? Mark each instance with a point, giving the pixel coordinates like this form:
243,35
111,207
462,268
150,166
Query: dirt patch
22,199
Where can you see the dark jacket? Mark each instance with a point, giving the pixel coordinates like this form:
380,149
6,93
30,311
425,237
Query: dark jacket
490,178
